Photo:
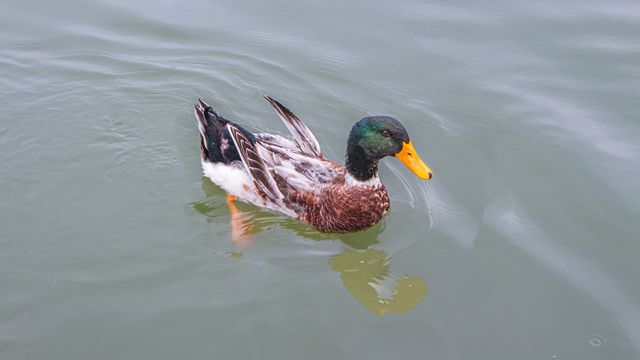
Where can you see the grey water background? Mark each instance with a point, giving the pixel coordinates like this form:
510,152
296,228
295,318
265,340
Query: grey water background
525,245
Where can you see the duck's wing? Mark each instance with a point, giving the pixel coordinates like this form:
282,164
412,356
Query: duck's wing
254,165
298,170
303,137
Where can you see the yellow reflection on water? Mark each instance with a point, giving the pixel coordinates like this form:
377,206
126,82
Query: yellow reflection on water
366,276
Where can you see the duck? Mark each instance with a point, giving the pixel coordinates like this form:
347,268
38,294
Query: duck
292,176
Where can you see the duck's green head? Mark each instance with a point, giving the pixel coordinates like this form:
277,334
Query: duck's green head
375,137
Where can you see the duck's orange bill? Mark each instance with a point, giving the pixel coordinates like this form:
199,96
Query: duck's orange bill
410,158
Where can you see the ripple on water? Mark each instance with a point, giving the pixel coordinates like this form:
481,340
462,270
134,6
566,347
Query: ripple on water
508,217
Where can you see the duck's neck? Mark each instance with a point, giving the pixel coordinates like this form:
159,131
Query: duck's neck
359,166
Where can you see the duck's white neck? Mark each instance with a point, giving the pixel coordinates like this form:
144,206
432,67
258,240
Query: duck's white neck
351,181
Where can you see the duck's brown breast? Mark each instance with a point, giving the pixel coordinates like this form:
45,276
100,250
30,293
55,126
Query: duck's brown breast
342,208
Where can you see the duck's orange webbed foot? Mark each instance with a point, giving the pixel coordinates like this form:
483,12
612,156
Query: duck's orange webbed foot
240,225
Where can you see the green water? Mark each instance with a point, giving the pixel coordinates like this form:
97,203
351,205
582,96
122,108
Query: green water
525,245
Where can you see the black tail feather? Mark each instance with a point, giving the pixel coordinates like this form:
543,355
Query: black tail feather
216,144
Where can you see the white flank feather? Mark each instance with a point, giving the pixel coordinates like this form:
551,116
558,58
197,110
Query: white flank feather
236,181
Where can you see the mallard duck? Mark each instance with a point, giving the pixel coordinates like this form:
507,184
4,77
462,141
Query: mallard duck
292,176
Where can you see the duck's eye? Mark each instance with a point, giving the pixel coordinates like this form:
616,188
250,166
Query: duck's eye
385,133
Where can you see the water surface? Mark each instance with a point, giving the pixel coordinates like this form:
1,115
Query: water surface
523,246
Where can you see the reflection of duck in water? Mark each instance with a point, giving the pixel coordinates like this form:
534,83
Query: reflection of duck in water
366,276
294,178
365,272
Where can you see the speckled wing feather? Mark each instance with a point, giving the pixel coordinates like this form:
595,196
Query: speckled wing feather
254,165
298,168
303,137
